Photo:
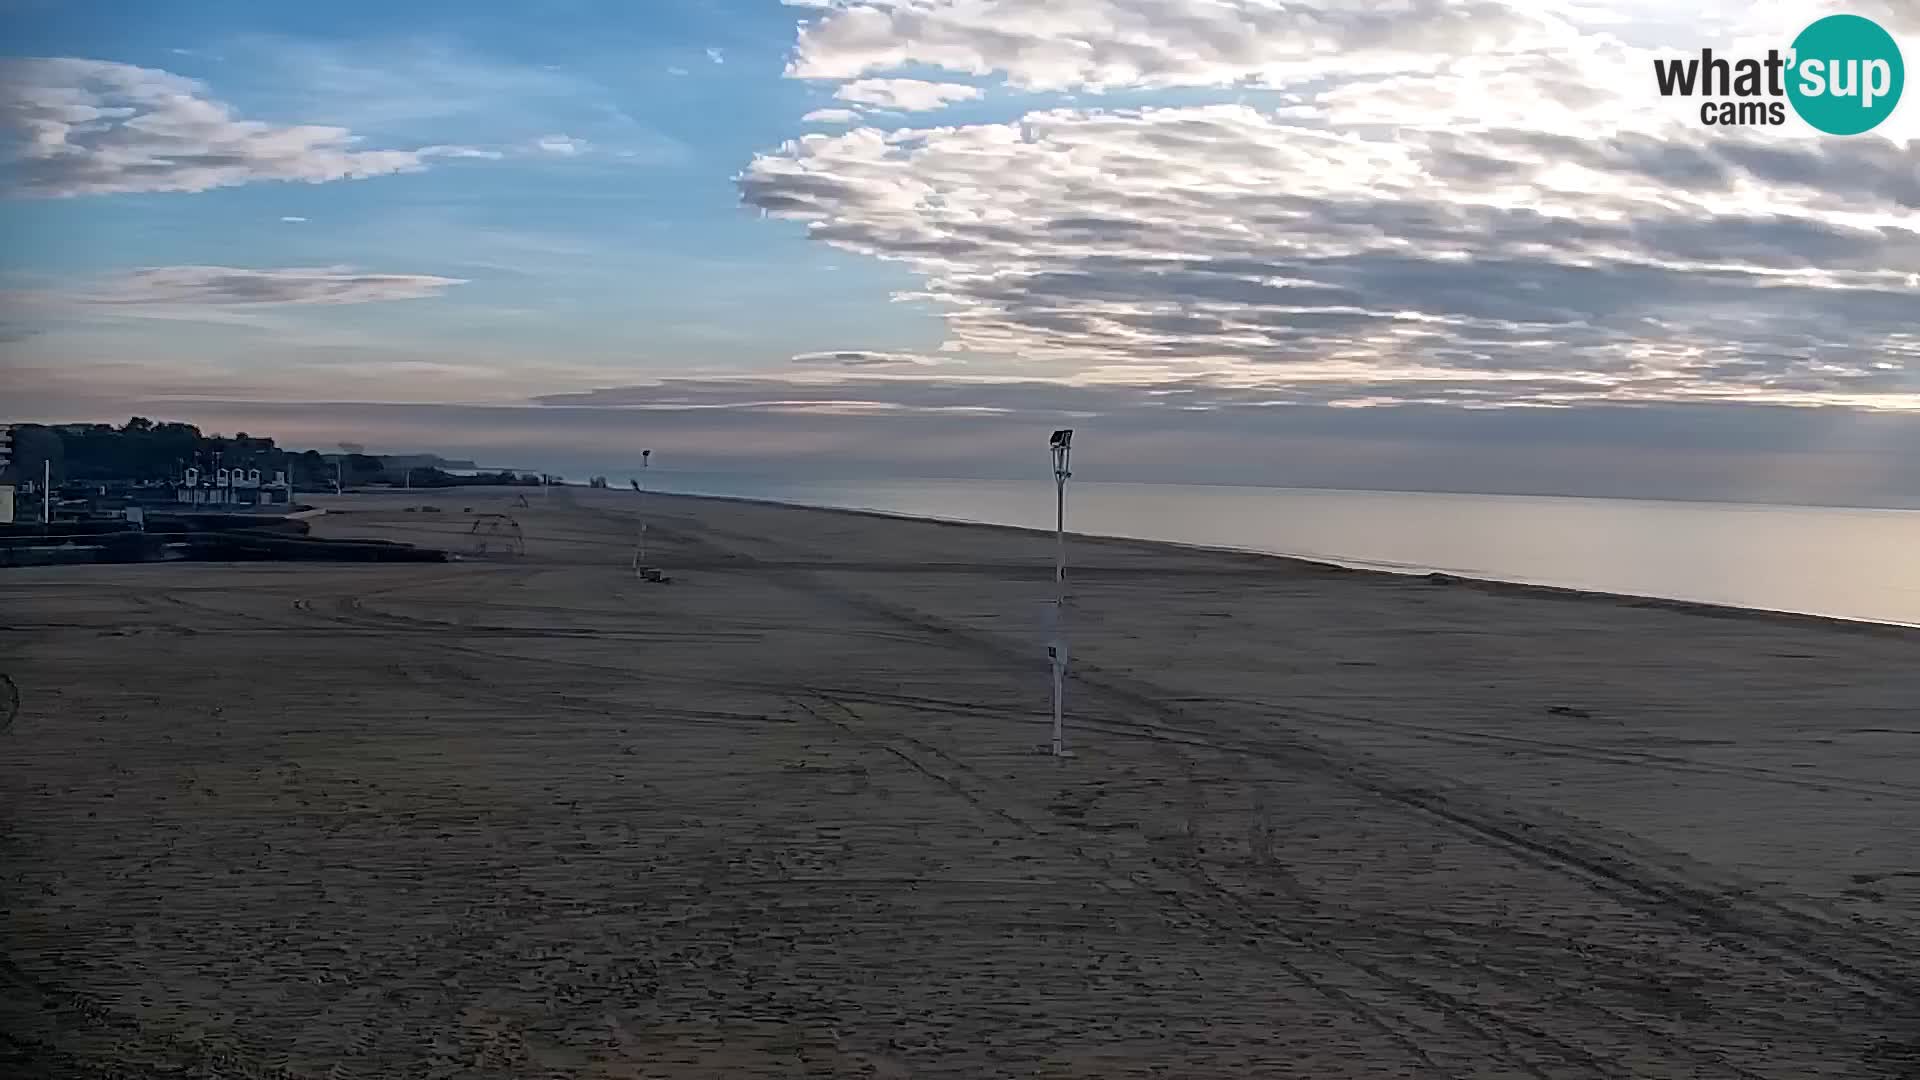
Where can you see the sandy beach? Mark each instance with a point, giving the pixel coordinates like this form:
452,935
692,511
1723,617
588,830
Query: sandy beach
524,815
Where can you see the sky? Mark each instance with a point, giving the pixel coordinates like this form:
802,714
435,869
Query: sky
1458,244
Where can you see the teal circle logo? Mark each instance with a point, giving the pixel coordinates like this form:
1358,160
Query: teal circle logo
1847,75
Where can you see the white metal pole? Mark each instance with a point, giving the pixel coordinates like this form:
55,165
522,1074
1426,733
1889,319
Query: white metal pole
46,491
1061,446
640,495
1059,606
1060,536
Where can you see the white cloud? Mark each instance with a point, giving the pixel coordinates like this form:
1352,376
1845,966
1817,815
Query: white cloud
676,71
1474,266
1049,45
906,95
562,145
1476,202
831,116
224,286
90,127
462,152
1309,45
296,220
716,56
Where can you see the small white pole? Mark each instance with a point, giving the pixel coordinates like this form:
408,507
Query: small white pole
46,491
1059,734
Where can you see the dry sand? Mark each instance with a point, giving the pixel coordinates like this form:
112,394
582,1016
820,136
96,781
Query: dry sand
785,816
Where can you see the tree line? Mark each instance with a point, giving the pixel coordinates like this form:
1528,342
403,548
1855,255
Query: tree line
145,451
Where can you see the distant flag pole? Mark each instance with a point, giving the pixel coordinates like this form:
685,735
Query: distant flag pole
1061,445
46,491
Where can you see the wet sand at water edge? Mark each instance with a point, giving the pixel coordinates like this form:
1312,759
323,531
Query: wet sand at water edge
524,815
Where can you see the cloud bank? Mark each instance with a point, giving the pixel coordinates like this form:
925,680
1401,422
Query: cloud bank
228,286
1742,452
95,127
1469,202
1106,44
861,358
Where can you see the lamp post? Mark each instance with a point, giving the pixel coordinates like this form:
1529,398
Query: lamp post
640,490
1061,446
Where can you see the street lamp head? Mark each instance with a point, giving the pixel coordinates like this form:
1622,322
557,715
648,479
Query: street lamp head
1062,446
645,454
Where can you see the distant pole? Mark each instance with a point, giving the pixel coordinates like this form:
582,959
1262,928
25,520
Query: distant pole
408,479
1061,444
640,490
46,491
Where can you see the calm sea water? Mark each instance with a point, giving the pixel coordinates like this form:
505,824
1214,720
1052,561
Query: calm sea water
1851,563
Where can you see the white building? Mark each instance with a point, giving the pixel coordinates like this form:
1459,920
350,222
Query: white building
6,459
233,488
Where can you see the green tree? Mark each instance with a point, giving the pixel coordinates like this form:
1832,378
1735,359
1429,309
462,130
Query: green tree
34,444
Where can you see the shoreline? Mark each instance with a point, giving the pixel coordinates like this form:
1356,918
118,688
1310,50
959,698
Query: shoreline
1760,504
1703,608
1410,574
